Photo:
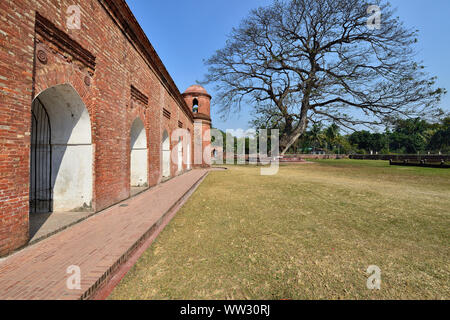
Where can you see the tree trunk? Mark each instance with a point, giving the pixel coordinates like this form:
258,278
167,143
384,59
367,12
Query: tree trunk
293,136
290,138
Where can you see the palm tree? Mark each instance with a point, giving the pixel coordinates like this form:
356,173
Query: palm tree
331,134
316,135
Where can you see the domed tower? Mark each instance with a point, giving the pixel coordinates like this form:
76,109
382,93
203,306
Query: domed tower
199,100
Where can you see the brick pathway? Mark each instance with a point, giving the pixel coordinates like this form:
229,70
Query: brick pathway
97,245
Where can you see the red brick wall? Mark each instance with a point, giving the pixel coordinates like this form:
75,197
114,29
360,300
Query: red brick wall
119,64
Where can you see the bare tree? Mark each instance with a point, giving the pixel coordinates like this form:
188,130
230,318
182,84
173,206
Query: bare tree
321,60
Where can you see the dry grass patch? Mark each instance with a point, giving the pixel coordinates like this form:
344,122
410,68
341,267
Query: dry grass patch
309,232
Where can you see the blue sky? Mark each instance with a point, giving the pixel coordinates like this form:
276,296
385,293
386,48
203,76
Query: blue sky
185,33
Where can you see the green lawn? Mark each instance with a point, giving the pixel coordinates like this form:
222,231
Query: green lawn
309,232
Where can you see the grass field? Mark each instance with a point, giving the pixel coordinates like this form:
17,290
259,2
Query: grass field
309,232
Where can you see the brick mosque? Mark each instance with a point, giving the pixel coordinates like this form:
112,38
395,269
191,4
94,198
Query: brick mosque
87,114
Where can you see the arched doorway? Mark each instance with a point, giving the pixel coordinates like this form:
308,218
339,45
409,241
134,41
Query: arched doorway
61,152
165,146
41,189
138,155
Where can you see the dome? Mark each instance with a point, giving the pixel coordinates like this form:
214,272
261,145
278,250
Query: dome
196,89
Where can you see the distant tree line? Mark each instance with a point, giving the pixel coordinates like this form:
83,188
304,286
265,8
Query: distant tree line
402,136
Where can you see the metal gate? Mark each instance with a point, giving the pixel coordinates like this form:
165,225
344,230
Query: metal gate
41,193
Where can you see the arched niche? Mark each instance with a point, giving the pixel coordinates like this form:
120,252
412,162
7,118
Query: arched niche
62,161
138,155
195,105
180,154
165,148
188,156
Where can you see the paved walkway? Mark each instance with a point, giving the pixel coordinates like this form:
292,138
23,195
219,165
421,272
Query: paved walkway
97,245
43,225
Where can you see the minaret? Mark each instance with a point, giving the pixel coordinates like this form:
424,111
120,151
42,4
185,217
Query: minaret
199,100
